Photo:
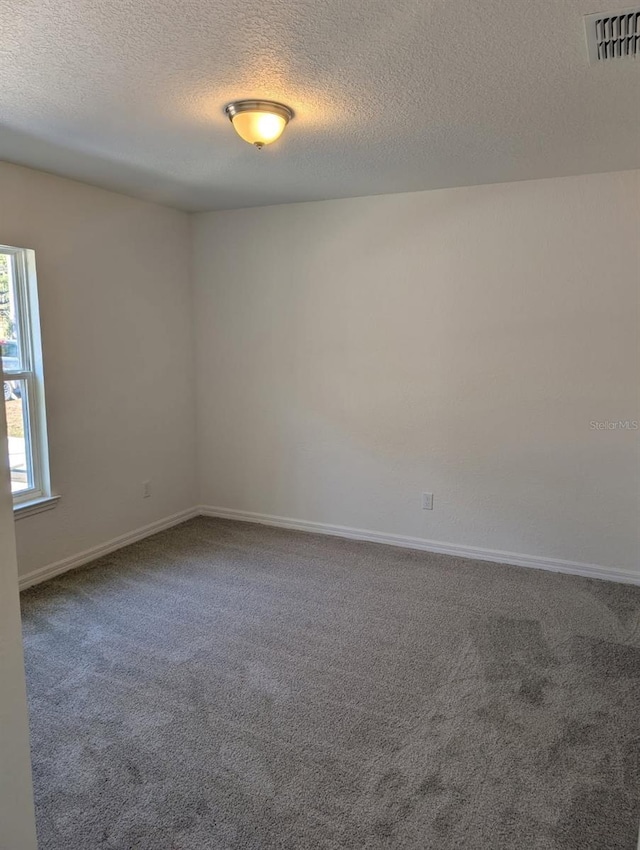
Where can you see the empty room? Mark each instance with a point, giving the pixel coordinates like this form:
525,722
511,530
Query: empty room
320,456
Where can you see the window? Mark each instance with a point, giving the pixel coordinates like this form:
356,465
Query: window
23,379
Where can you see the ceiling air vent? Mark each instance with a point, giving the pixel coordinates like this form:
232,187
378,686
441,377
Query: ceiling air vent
613,35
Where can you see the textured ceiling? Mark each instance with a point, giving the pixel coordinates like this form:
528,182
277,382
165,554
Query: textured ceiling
389,95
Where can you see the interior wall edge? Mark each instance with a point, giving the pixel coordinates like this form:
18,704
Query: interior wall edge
516,559
81,558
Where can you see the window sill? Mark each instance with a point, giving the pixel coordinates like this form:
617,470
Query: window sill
37,506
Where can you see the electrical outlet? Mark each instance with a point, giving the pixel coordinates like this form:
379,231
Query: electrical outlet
146,489
427,501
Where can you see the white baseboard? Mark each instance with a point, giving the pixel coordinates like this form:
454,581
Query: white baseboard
59,567
535,561
497,556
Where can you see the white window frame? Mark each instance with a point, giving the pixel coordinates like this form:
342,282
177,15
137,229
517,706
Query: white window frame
38,495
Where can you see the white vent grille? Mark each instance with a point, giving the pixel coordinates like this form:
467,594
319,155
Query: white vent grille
613,36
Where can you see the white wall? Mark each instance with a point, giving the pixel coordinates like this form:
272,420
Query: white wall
351,354
354,353
115,301
17,825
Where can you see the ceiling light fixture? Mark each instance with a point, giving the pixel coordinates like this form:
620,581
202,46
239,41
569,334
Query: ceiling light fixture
258,122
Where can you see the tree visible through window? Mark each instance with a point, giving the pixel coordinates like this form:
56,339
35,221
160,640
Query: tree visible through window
23,380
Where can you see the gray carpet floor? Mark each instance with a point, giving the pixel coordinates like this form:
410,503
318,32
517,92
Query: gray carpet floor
225,685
